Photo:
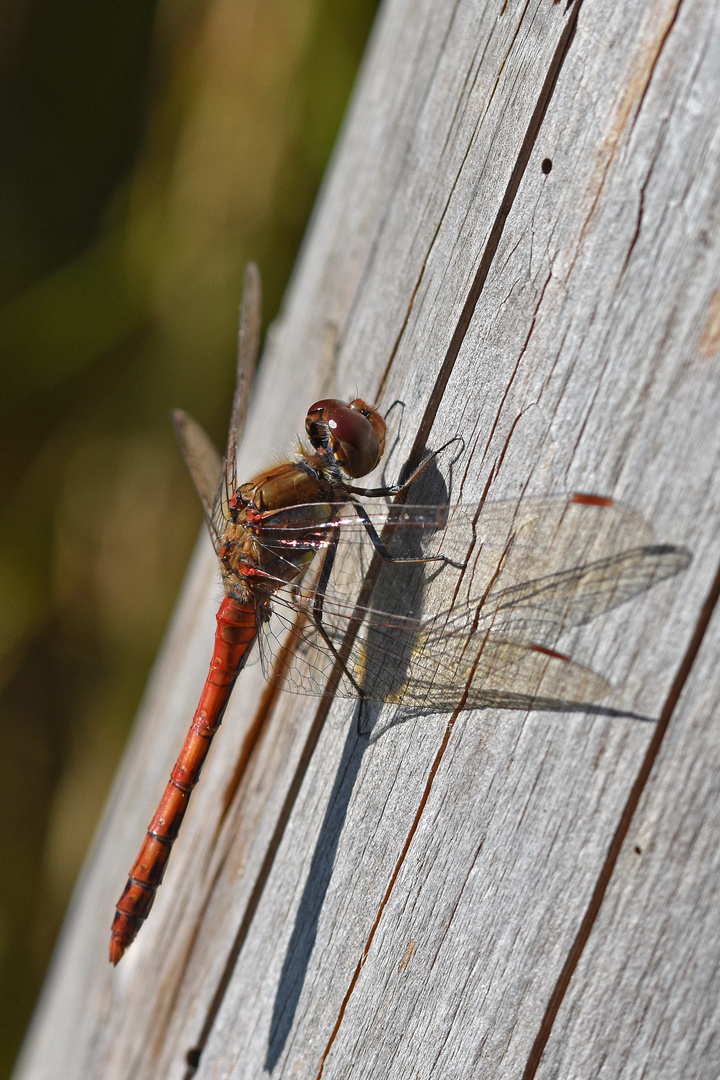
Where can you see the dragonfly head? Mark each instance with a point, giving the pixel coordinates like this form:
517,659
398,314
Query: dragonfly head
351,433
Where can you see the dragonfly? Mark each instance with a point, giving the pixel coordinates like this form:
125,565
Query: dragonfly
429,607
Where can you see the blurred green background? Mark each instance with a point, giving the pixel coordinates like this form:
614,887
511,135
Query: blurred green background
147,151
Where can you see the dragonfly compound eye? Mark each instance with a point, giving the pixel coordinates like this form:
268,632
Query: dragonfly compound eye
354,433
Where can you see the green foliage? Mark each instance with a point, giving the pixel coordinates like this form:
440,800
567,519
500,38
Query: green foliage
149,152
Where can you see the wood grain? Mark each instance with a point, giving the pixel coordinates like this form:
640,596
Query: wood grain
455,900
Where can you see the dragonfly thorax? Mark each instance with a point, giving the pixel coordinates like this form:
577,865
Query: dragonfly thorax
294,498
287,484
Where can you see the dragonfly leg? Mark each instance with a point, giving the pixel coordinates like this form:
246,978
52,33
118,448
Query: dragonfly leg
400,489
346,671
329,562
361,731
387,555
317,608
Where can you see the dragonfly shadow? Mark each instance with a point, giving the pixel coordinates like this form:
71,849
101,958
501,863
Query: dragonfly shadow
390,634
406,714
401,592
302,940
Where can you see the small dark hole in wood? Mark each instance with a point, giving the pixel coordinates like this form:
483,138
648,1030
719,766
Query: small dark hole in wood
193,1057
638,850
546,166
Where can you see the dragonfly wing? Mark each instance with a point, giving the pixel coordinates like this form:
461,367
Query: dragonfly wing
297,653
203,461
492,639
487,548
493,672
514,542
540,610
529,571
248,346
402,661
295,657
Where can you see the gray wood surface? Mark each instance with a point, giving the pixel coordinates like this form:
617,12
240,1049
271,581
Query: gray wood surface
463,900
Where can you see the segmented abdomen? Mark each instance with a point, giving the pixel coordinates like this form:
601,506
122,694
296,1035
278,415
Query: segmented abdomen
236,631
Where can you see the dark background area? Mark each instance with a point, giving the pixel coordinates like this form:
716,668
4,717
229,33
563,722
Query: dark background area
147,151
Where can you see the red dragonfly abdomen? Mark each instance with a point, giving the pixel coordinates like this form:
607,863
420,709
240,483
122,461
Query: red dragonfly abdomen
236,631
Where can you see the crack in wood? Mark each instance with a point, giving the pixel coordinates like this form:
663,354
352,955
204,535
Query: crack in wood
391,884
494,237
194,1054
593,908
638,85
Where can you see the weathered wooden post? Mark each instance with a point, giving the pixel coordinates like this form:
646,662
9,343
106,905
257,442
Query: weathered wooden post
519,239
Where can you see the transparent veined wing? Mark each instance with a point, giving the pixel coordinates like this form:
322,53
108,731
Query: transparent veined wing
216,480
203,461
481,626
248,348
